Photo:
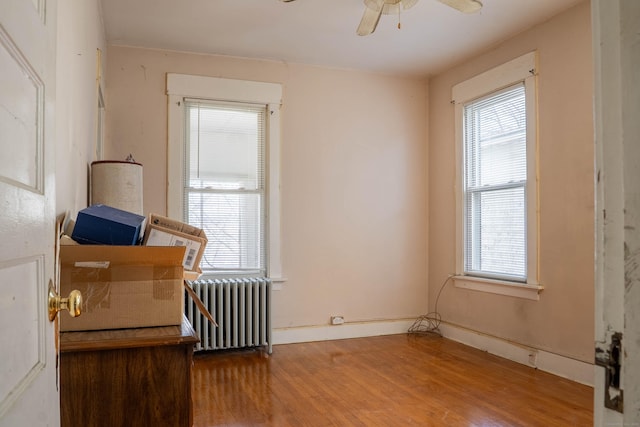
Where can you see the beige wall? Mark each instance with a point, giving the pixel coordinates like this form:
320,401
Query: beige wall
355,199
353,177
80,34
562,321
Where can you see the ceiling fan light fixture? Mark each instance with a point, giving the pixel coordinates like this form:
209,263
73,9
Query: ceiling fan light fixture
464,6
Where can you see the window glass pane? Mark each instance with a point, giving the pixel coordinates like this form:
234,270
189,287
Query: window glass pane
496,227
223,147
495,181
233,224
224,184
495,133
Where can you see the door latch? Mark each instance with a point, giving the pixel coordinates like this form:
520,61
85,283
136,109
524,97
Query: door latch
611,360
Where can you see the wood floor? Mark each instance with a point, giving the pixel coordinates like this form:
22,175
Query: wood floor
396,380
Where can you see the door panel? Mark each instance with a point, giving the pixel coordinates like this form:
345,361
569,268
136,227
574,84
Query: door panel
616,63
28,388
19,303
20,116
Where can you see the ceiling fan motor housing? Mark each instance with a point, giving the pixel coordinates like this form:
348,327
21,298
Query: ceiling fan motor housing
389,7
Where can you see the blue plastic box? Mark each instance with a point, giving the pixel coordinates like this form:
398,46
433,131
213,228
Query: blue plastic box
104,225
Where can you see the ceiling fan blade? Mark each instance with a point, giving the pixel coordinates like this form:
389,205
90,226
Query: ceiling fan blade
464,6
370,18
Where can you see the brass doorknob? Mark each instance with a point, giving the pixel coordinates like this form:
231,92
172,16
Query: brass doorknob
57,303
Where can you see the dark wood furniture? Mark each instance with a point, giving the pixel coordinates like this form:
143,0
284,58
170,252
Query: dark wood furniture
127,377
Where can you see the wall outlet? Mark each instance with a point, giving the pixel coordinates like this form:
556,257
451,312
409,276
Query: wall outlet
337,320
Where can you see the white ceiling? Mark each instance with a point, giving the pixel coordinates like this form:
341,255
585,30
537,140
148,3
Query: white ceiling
323,32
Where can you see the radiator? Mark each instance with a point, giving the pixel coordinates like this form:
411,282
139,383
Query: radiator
241,307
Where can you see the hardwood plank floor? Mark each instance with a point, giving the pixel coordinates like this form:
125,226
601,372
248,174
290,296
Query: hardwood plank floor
395,380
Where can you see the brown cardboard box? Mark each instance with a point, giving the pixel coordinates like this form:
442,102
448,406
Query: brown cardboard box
122,286
163,231
172,224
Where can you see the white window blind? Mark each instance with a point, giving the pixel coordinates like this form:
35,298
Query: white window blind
224,185
495,185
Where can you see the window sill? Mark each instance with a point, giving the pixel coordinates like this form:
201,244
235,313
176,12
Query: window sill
500,287
277,282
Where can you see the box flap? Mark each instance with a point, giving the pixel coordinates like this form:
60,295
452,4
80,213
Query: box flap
107,255
172,224
159,236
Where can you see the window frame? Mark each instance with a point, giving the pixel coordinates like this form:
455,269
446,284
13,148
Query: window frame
181,86
519,70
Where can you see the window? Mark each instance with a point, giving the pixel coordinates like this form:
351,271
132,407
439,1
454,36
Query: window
495,179
224,192
496,162
224,170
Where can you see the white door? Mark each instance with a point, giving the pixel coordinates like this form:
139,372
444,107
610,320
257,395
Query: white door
28,385
616,42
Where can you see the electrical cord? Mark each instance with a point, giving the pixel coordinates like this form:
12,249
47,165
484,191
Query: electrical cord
429,323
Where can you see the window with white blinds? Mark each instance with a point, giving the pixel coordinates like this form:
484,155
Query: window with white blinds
224,183
223,170
496,180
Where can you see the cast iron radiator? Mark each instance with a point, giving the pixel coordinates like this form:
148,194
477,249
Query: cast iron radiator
240,307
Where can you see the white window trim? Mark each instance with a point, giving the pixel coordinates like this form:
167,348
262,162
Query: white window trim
499,287
522,69
180,86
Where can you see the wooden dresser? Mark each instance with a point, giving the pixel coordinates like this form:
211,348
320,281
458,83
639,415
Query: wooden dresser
127,377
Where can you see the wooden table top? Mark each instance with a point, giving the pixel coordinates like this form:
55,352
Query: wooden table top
128,338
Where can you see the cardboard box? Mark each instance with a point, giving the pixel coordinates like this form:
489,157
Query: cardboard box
122,286
163,231
105,225
172,224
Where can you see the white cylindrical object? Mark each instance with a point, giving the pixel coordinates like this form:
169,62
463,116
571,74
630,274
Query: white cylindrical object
117,184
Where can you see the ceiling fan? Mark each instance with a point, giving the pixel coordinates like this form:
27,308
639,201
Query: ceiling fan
375,8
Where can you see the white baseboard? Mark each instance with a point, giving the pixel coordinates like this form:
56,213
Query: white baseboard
572,369
338,332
